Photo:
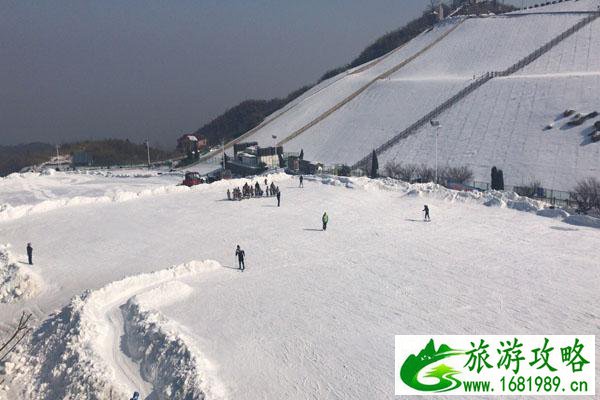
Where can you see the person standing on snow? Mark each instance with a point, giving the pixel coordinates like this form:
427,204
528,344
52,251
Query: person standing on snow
278,198
325,220
301,181
240,255
30,253
426,211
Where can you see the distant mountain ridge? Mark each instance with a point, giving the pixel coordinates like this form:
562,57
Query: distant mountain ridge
105,152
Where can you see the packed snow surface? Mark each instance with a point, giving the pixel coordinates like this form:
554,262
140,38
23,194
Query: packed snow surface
313,315
34,192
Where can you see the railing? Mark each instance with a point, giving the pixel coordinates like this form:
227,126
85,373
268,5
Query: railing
475,85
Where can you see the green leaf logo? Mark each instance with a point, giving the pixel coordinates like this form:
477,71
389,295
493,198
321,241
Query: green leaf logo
413,365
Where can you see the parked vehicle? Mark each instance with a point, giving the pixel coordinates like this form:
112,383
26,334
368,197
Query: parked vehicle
192,179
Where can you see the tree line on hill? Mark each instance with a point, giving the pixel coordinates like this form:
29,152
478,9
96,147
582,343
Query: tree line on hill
250,113
105,153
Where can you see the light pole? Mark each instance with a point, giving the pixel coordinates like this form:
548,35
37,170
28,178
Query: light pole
223,148
437,126
148,150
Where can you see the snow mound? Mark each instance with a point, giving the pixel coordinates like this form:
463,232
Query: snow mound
583,220
175,367
557,213
17,282
8,212
64,359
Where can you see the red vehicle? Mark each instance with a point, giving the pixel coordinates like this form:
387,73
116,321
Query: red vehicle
192,179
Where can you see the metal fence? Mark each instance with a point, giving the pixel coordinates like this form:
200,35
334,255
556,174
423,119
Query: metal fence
559,198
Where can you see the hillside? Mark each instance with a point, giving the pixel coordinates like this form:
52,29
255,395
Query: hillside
107,152
498,118
14,158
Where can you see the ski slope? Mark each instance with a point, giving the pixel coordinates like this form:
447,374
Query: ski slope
329,93
313,315
499,124
577,54
562,7
502,122
476,46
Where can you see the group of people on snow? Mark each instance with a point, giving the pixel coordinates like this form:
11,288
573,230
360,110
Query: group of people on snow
248,191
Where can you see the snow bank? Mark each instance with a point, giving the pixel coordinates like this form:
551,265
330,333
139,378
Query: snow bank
17,282
65,360
175,367
8,212
583,220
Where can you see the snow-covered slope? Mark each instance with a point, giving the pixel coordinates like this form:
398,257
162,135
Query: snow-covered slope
498,124
560,7
311,105
577,54
502,124
310,303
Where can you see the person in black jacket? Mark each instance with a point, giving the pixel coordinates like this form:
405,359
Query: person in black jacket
278,198
301,181
426,211
30,253
240,255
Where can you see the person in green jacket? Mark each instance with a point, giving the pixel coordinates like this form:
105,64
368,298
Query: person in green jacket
325,220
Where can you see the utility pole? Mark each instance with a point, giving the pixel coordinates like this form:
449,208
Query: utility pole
148,150
437,126
223,155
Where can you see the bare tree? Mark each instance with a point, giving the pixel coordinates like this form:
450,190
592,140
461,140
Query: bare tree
19,333
457,174
587,195
532,189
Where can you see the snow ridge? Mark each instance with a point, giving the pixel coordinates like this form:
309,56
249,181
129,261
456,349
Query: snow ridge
17,282
176,369
69,355
8,212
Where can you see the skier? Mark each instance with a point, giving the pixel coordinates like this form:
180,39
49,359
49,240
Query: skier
325,220
240,255
228,195
30,253
301,181
136,396
426,210
278,198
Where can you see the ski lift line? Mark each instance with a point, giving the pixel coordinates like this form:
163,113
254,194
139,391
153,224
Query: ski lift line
383,75
475,85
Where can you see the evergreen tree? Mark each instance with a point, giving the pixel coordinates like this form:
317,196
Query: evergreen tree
374,165
500,180
497,179
301,154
